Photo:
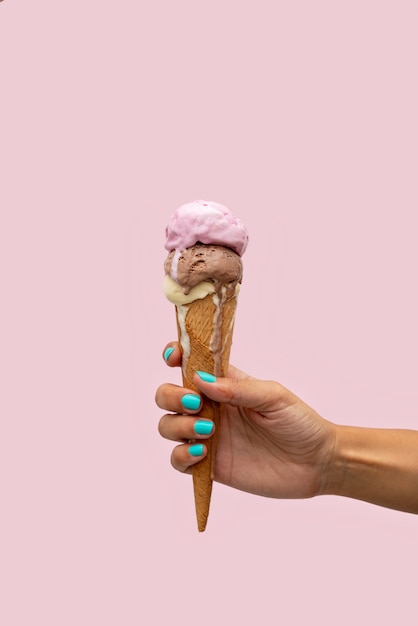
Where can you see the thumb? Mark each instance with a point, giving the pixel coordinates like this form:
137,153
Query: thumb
259,395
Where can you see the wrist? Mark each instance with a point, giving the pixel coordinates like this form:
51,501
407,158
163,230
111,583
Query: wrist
346,460
360,461
375,465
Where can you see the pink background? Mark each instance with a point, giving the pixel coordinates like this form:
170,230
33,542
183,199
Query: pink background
302,117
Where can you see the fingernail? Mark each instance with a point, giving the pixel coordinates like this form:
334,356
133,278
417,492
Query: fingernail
196,449
208,378
191,401
168,353
203,427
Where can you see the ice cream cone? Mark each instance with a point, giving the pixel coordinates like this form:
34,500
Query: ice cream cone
203,274
205,330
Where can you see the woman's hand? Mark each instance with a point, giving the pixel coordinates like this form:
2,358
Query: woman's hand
270,443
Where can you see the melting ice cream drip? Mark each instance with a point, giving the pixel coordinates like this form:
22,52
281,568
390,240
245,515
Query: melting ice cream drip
175,263
216,338
219,299
184,337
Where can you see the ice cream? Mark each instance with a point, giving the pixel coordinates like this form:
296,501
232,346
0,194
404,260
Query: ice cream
205,242
207,222
205,262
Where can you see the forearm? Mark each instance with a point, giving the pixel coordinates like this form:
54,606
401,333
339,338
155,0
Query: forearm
376,465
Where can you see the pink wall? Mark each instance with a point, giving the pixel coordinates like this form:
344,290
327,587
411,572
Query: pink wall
300,116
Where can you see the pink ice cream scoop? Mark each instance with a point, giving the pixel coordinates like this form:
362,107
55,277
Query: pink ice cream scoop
208,223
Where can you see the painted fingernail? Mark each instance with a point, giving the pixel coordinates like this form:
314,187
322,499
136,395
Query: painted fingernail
208,378
168,353
203,427
196,449
191,401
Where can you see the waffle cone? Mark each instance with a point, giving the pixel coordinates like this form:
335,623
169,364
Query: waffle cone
206,330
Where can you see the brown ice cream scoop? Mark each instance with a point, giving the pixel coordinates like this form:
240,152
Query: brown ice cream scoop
205,262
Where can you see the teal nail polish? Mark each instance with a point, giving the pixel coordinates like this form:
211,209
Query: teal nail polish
203,427
191,401
207,378
168,353
196,449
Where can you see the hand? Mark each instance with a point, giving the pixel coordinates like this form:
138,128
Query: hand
270,443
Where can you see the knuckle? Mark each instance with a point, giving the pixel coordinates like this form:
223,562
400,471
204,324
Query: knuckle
158,396
276,387
233,389
161,425
175,460
227,389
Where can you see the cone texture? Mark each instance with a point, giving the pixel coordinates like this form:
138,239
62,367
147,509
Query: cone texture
208,329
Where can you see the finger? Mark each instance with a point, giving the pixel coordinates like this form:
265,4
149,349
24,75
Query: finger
183,427
177,399
172,354
186,455
260,395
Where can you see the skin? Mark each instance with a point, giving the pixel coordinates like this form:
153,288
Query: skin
273,444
